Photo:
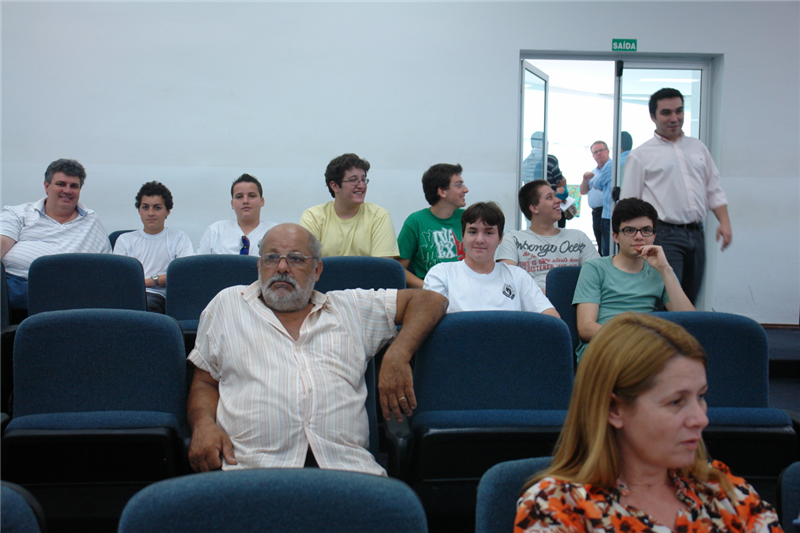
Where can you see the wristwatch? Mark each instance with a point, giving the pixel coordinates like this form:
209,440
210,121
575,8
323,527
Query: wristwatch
155,279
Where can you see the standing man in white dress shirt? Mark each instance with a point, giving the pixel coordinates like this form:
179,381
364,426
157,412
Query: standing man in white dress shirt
677,175
279,377
56,224
243,235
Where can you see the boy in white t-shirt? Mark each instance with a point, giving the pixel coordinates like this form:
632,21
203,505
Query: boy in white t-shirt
154,246
478,283
243,235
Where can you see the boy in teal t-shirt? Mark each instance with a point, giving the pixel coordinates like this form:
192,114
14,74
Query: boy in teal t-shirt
639,278
433,235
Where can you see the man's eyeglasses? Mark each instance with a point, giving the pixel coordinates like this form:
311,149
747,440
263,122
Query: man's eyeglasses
356,180
646,231
599,151
294,259
245,246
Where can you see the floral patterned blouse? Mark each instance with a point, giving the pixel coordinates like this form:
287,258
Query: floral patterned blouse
555,506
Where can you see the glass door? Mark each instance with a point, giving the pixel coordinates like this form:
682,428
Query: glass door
533,129
637,82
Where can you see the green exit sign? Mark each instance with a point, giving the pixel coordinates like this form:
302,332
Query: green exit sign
623,45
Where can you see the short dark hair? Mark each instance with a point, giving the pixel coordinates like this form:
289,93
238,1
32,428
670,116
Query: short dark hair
529,195
155,188
630,208
663,94
339,165
69,167
488,212
438,177
247,178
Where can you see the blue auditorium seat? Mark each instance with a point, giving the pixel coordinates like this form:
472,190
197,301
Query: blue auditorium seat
193,281
789,498
754,440
99,408
499,490
357,272
21,512
114,235
275,500
84,281
491,386
561,282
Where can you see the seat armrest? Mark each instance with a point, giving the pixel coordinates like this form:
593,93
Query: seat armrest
795,416
7,367
399,439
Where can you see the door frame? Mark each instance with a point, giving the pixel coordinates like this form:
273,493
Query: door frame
710,97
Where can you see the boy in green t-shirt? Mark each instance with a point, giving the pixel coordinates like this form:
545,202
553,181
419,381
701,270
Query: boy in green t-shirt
433,235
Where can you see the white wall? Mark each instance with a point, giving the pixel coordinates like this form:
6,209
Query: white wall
194,93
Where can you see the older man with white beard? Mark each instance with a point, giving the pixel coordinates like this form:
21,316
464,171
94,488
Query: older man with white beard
279,377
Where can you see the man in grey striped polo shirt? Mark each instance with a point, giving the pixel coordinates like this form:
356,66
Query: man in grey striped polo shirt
56,224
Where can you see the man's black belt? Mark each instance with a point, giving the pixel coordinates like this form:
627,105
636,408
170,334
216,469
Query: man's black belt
690,225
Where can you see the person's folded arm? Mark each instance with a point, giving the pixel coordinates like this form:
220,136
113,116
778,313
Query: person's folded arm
587,320
6,243
418,311
655,257
412,281
585,183
552,312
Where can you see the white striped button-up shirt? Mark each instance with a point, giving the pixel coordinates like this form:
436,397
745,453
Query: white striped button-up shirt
37,234
278,396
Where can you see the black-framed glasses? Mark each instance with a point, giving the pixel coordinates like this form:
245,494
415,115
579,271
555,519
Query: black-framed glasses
294,259
245,246
646,231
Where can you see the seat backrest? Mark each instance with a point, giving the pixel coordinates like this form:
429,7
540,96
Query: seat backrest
789,497
99,360
21,512
561,282
738,356
499,490
194,281
494,360
4,320
85,281
358,272
275,500
114,235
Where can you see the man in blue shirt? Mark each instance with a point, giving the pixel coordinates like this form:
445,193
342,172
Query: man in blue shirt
597,184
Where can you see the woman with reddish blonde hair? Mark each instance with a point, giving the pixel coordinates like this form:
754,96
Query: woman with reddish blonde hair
631,456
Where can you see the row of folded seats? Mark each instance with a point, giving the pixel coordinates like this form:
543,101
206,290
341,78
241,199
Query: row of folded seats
99,394
287,500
